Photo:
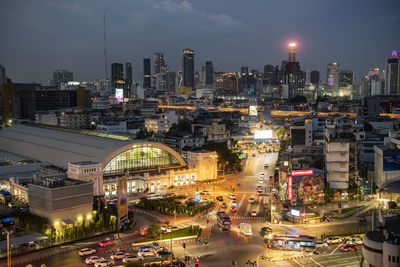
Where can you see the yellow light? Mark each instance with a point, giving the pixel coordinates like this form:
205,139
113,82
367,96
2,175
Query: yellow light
80,218
89,217
292,44
57,223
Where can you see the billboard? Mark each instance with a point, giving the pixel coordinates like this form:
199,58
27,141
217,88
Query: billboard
253,110
295,213
264,134
122,198
119,94
308,185
290,187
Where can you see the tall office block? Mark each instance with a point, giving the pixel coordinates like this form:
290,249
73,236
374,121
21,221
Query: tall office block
393,75
159,63
146,73
332,76
209,81
61,76
188,67
3,77
292,52
117,73
314,77
128,73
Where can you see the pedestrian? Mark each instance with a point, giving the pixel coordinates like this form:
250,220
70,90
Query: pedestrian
247,263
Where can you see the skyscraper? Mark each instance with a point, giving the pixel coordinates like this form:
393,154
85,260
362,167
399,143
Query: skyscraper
209,74
332,76
188,67
346,80
128,73
3,77
271,74
314,77
292,52
393,75
61,76
159,63
146,73
117,73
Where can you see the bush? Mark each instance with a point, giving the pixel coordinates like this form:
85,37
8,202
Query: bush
392,205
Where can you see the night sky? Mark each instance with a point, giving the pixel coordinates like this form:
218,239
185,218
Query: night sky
39,36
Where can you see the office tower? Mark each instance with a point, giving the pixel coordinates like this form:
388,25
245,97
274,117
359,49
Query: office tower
393,75
292,52
269,74
19,101
247,82
188,67
159,63
345,80
117,74
3,77
230,84
128,73
314,77
170,78
295,78
61,76
332,77
146,73
209,81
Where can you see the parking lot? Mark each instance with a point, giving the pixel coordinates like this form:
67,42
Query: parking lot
338,259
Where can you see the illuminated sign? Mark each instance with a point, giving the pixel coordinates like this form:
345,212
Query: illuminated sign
196,197
122,198
119,94
290,187
264,134
286,163
302,172
253,110
295,213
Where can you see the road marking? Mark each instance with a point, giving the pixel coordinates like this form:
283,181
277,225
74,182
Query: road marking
316,262
336,248
298,263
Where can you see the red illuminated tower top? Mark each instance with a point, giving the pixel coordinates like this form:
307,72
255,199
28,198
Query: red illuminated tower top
292,52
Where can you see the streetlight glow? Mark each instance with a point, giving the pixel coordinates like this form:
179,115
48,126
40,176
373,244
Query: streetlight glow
292,44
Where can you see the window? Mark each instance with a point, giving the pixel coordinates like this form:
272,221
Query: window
389,258
393,259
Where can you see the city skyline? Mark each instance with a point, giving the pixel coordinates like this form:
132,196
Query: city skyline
211,29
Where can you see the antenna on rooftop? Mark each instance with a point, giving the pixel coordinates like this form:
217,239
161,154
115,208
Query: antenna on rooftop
105,49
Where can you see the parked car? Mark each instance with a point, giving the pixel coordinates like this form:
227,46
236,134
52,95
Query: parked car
205,192
86,251
333,240
93,259
163,253
103,263
349,247
147,252
356,241
220,198
132,258
320,244
106,242
118,255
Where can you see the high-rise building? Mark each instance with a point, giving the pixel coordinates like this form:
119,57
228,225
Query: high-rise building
117,73
295,78
188,67
146,73
61,76
393,75
271,74
209,81
314,77
345,80
332,76
159,63
230,84
3,77
292,52
128,73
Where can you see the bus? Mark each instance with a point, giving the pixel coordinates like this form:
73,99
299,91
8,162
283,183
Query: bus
295,242
223,220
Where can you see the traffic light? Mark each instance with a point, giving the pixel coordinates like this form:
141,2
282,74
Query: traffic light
184,245
196,262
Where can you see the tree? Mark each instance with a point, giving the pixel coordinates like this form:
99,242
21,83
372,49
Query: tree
281,133
392,205
182,126
143,134
153,230
329,194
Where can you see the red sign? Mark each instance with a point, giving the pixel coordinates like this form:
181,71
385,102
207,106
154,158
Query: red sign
302,172
290,187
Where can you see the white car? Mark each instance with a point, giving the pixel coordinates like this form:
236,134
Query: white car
251,200
245,229
93,260
356,241
148,252
261,181
102,263
86,251
320,244
117,255
253,213
132,258
262,175
231,196
333,240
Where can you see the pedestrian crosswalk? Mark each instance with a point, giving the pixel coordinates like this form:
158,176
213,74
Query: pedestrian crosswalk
247,217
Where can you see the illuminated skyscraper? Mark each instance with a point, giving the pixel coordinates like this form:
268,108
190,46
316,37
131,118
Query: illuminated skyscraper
146,73
292,52
332,76
393,75
188,67
159,63
117,73
209,81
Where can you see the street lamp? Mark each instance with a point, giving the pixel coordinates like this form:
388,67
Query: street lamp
8,232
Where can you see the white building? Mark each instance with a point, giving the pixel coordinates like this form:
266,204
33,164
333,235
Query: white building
112,127
161,122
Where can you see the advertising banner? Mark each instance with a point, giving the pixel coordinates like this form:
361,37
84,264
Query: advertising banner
308,185
290,187
122,198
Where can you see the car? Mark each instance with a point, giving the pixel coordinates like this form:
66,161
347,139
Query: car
86,251
224,206
234,204
320,244
148,252
333,240
93,259
163,253
262,175
103,263
12,205
253,213
266,165
233,208
132,258
253,155
261,181
350,247
231,196
356,241
205,192
219,198
266,229
251,200
245,229
106,242
147,247
117,255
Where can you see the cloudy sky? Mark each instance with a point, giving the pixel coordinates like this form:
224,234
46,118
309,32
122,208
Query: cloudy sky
39,36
